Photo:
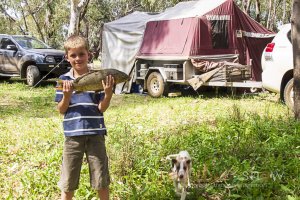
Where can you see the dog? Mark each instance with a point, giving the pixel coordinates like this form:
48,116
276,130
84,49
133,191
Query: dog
181,172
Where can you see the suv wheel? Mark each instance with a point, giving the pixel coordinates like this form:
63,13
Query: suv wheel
288,94
33,75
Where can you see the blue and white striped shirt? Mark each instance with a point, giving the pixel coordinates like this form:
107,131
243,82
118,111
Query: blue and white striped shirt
83,116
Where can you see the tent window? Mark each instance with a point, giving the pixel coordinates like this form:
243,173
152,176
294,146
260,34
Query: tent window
219,34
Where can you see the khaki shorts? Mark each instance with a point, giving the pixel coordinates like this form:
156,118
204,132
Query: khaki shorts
74,149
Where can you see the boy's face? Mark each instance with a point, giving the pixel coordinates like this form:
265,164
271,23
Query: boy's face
78,58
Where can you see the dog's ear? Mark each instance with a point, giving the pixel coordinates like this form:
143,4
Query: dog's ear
188,162
174,161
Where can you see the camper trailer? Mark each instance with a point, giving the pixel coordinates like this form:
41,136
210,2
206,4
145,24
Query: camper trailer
195,43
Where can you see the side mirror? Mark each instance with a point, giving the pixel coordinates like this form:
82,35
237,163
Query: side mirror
12,47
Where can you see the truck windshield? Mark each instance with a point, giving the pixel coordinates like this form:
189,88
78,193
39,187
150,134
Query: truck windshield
30,43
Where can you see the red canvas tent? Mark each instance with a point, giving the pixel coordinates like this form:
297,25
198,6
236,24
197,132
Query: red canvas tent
223,30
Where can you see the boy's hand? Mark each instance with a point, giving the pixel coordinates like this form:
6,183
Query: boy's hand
67,88
108,85
108,90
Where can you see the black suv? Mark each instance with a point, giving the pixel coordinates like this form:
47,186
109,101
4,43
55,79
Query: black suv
30,58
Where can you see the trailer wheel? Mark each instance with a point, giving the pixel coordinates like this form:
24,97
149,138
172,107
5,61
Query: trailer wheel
155,85
288,94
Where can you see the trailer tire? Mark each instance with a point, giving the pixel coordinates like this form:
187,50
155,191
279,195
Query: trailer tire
288,94
156,86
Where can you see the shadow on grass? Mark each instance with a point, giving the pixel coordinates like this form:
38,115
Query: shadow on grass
44,83
207,92
212,92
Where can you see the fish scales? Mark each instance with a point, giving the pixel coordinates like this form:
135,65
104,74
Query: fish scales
92,81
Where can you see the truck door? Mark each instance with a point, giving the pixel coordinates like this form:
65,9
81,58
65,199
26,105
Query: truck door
8,55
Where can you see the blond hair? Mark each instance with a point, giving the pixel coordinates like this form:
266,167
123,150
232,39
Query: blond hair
75,41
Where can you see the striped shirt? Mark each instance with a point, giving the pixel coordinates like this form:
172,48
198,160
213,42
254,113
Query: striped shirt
83,116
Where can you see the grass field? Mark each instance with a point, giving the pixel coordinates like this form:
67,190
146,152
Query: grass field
245,146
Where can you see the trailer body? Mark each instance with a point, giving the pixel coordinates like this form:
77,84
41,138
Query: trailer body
156,75
159,50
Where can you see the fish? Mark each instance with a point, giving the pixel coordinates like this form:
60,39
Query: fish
92,81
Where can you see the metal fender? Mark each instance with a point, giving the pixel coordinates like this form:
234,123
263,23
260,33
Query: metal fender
161,71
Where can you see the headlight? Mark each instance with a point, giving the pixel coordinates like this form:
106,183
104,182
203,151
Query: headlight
50,59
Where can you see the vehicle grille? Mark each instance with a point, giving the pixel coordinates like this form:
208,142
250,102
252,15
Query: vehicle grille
58,58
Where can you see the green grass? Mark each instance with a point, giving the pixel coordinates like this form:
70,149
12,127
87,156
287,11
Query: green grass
243,147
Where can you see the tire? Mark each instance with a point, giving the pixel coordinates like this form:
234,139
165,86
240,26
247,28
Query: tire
155,85
33,75
288,94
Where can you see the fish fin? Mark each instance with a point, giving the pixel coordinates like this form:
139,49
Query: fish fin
59,85
80,77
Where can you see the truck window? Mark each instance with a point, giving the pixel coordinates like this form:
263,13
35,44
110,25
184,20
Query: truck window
219,34
5,42
30,43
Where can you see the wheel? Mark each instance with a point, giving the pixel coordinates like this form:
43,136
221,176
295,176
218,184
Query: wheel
253,90
33,75
155,85
288,94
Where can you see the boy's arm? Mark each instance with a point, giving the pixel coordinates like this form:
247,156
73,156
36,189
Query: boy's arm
107,86
63,105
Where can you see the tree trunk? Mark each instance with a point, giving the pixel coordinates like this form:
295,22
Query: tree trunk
39,29
243,5
32,14
49,22
296,54
257,10
25,23
97,46
274,17
77,7
248,7
269,14
83,12
283,11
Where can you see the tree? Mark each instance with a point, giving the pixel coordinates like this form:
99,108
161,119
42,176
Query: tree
257,11
78,9
53,20
247,8
33,12
9,11
296,54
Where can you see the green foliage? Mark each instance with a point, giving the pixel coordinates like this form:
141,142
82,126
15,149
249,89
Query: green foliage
243,147
49,20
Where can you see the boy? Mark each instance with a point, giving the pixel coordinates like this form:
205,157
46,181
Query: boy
83,124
